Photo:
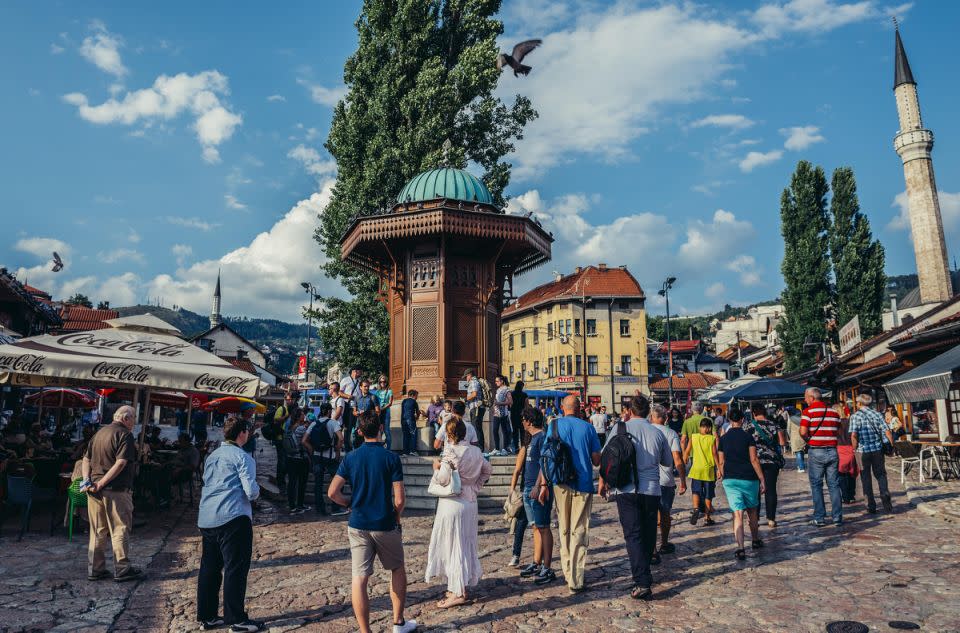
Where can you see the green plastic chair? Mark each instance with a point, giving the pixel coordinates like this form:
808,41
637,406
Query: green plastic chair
77,500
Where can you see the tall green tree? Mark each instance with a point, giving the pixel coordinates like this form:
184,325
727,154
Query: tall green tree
858,260
79,299
424,72
806,264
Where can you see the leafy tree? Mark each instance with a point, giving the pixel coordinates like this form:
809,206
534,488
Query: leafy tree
103,305
356,329
805,266
424,72
858,259
80,300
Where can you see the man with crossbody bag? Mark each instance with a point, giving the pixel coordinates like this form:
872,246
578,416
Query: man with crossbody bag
870,436
819,426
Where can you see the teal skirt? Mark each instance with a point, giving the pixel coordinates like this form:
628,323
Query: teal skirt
742,494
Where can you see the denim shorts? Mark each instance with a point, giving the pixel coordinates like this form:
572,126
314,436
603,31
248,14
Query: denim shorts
742,494
704,489
538,515
667,495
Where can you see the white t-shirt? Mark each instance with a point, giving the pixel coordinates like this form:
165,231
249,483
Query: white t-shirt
471,434
349,387
336,403
667,477
333,427
445,416
599,421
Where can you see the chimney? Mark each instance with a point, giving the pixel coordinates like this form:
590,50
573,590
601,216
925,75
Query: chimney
893,309
557,276
578,269
241,354
602,267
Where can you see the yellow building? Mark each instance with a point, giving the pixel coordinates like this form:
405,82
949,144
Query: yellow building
558,336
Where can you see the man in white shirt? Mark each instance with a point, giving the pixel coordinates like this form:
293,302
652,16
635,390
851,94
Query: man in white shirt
668,481
599,422
458,409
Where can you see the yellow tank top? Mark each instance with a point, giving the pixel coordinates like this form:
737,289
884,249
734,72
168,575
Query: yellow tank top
704,468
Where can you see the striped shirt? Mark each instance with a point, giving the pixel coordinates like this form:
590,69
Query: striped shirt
821,434
870,428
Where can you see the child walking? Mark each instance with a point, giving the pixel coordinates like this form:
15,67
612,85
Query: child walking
703,474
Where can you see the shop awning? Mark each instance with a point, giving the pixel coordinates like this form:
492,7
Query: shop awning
929,381
763,389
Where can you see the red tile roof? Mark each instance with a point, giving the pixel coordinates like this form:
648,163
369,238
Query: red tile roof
244,364
36,292
768,363
593,281
731,352
78,318
690,380
680,347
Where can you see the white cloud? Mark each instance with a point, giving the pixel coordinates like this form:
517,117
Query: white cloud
232,202
181,252
746,267
276,98
949,213
817,16
802,137
168,98
133,237
629,63
715,290
312,162
698,252
102,49
192,223
120,255
733,121
42,246
758,159
323,95
56,49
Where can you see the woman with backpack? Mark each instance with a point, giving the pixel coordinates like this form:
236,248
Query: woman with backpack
771,442
298,462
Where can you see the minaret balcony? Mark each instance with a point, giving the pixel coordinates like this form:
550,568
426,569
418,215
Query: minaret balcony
912,142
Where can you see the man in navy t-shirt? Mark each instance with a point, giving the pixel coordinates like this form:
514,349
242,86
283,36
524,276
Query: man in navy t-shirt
377,499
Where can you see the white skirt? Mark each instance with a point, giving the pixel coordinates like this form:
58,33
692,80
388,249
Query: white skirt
453,545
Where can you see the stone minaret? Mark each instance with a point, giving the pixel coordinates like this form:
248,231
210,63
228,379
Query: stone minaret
215,319
914,144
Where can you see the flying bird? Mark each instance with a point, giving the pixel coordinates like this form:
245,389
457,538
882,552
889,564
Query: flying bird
513,60
57,262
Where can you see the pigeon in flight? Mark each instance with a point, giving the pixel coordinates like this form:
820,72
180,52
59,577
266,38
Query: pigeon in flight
57,262
513,60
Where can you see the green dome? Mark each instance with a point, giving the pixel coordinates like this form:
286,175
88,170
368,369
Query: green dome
445,182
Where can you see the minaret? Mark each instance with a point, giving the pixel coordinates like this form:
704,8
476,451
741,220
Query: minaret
913,143
215,319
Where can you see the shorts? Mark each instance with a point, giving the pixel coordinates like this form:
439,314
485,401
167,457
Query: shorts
667,495
364,544
538,515
703,489
742,494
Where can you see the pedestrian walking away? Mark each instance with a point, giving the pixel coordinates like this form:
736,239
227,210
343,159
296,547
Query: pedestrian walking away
225,519
770,442
519,399
323,440
298,462
819,425
409,414
738,467
871,438
668,480
376,501
702,448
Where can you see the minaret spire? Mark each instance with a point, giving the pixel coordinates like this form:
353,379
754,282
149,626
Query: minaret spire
215,319
901,67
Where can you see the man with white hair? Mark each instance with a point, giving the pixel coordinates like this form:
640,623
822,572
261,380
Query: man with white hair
820,427
108,481
868,434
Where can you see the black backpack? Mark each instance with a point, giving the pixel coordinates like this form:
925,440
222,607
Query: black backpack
320,438
618,460
291,447
269,429
556,458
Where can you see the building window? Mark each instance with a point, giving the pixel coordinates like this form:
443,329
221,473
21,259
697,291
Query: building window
512,375
563,365
576,327
623,305
523,370
536,370
559,327
550,331
579,365
592,366
568,327
536,335
624,327
523,339
206,343
550,367
625,368
570,363
510,342
591,327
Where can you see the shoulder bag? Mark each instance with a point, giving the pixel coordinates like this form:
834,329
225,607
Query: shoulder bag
451,489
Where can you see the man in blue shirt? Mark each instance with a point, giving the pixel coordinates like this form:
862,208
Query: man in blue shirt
575,501
376,501
225,519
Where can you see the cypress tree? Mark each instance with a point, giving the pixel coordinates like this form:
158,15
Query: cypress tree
805,266
424,72
858,259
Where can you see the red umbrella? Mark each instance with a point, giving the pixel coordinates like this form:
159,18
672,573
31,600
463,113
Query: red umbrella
60,397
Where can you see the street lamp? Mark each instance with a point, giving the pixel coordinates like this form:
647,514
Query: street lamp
310,290
665,293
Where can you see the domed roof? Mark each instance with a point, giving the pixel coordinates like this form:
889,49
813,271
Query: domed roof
445,182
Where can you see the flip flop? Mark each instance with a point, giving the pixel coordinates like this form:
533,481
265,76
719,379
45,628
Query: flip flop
740,554
452,602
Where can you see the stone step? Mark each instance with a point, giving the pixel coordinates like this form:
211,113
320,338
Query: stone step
423,480
430,503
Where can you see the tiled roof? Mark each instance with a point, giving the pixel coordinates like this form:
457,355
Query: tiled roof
680,347
890,358
241,363
593,281
690,380
731,352
768,363
36,292
78,318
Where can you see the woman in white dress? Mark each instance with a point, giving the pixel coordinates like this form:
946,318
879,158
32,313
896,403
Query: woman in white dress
453,544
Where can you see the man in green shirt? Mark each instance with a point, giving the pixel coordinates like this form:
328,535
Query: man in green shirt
691,425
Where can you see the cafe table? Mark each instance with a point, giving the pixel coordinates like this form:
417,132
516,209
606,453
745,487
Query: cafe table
931,446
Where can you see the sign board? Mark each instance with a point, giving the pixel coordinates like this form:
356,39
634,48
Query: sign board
626,379
302,368
850,335
462,385
565,379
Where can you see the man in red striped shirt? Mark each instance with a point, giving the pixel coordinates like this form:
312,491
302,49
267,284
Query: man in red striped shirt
820,426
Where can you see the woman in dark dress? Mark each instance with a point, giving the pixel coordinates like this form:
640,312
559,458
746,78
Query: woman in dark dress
516,413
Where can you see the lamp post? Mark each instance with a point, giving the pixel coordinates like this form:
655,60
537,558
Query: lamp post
310,290
665,293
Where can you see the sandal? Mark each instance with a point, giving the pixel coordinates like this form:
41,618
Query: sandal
709,521
756,544
641,593
453,601
740,554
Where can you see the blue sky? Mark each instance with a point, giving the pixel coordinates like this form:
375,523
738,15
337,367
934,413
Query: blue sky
154,145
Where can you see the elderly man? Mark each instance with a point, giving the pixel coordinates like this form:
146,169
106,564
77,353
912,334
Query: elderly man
820,426
108,480
868,433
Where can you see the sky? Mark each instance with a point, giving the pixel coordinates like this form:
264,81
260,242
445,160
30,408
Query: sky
155,145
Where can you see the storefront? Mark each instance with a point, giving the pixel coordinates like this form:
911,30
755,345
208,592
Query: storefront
931,395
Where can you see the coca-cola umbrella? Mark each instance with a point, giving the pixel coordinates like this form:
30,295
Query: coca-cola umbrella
232,404
62,397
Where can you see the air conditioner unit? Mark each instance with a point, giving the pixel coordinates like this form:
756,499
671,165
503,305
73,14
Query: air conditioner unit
531,374
563,338
519,374
618,369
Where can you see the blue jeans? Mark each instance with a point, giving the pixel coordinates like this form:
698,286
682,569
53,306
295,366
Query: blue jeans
385,421
409,428
824,462
798,455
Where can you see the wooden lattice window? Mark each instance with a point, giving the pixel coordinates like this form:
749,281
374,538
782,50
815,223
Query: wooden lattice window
424,344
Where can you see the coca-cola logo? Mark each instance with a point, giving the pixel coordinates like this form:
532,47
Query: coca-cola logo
222,384
27,363
124,372
154,348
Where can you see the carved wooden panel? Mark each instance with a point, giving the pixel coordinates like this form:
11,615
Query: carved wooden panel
424,335
463,275
464,339
425,274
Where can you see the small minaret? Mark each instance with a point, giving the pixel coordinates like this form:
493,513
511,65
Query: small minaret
215,319
914,143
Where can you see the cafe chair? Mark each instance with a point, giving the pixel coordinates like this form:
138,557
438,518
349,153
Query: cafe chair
909,455
21,492
76,499
946,461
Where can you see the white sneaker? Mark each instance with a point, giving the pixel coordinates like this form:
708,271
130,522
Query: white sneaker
514,561
406,627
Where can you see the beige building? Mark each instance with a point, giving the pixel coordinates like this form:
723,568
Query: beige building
583,331
758,328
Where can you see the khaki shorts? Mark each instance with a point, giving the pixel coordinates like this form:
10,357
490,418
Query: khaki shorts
364,544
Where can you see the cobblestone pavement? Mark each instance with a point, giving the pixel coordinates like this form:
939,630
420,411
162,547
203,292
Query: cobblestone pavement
874,569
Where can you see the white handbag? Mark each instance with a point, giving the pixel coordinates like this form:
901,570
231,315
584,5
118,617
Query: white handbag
451,489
